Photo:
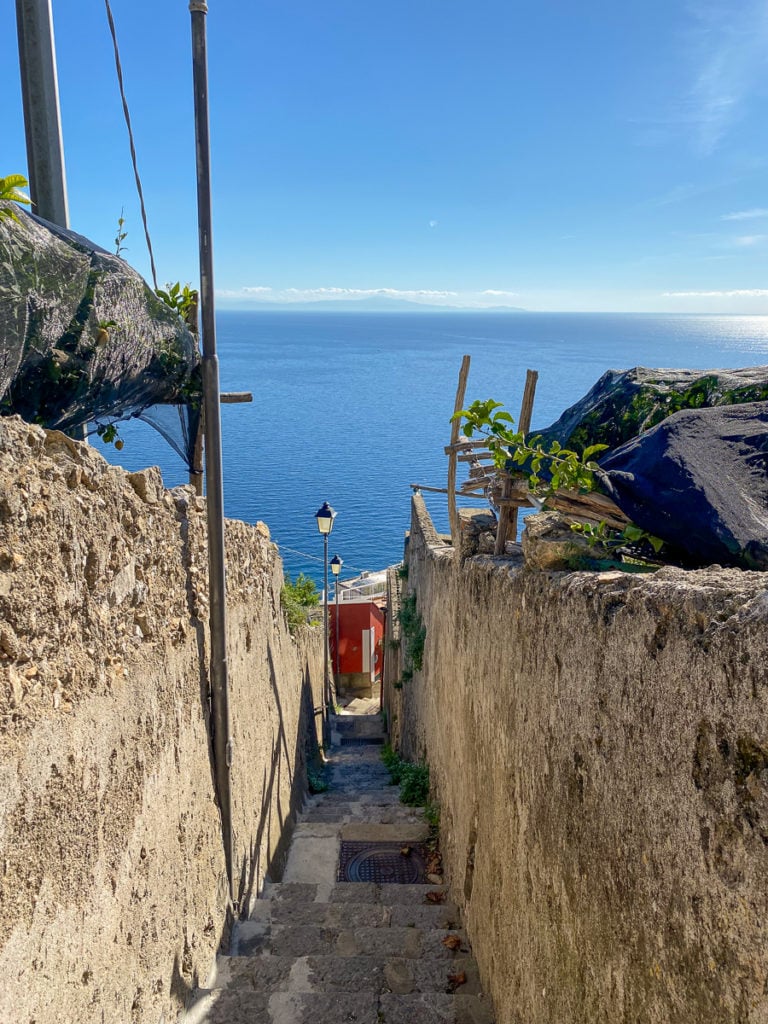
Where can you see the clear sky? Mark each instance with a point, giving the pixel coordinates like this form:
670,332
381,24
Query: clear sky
551,155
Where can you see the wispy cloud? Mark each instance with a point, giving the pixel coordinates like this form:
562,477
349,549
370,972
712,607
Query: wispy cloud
754,214
270,294
735,293
723,56
730,42
747,241
256,294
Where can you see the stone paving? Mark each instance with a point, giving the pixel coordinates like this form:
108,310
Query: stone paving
327,952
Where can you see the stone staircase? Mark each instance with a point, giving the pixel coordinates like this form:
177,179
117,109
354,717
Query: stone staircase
348,952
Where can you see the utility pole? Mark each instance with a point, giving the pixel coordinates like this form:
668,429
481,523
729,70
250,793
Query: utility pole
214,486
42,117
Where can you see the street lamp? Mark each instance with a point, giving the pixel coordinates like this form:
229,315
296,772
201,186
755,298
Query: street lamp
325,516
336,564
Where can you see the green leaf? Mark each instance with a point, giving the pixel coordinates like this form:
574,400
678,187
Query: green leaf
593,449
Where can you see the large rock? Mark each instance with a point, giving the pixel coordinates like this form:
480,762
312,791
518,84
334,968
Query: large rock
625,402
82,336
699,481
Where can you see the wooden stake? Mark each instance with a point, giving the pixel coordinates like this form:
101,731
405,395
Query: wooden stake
453,517
508,513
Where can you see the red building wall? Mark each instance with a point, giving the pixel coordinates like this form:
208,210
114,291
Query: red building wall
354,619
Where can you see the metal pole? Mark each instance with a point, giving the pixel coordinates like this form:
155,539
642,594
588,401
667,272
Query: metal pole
42,117
336,595
326,681
222,742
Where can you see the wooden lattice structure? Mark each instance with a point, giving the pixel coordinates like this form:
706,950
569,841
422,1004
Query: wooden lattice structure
507,490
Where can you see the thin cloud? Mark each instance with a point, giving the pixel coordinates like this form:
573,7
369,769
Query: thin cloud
735,293
262,292
746,214
725,49
746,241
730,43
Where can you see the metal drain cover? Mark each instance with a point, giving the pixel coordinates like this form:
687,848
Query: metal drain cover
382,862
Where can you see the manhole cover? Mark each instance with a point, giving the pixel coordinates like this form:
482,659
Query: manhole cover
362,741
382,862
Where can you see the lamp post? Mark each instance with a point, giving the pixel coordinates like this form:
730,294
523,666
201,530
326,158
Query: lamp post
325,516
336,564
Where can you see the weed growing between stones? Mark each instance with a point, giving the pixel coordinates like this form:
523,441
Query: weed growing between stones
412,778
317,779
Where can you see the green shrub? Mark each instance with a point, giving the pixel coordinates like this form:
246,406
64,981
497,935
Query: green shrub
414,784
297,598
392,762
317,779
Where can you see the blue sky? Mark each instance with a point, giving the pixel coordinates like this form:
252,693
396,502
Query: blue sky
554,156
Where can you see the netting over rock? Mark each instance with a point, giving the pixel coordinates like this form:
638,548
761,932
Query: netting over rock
84,340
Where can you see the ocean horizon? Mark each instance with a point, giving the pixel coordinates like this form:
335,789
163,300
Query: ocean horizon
352,407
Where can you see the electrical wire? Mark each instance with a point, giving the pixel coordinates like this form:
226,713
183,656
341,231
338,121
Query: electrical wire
315,558
119,69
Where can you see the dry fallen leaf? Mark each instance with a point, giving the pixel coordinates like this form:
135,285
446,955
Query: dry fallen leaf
435,897
454,980
405,851
452,942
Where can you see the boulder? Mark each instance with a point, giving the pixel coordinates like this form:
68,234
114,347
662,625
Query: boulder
699,481
623,403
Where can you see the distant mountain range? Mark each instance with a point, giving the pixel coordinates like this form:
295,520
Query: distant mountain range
374,304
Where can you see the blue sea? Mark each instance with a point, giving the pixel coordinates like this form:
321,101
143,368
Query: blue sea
352,408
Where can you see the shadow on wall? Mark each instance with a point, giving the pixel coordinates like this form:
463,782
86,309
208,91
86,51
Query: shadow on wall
305,750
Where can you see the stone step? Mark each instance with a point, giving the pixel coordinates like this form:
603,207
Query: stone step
315,949
323,973
357,725
238,1006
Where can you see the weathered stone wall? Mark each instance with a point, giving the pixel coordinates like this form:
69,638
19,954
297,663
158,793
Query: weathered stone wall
112,880
599,746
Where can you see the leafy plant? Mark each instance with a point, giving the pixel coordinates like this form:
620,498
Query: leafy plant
432,814
601,533
9,192
392,762
178,298
297,598
414,784
121,235
109,435
413,779
402,571
317,779
413,632
566,469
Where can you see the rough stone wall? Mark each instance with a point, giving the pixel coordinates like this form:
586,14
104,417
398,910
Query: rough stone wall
599,747
112,880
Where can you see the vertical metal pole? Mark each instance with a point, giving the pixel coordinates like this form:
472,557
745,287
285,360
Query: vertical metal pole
42,117
222,743
336,595
326,681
